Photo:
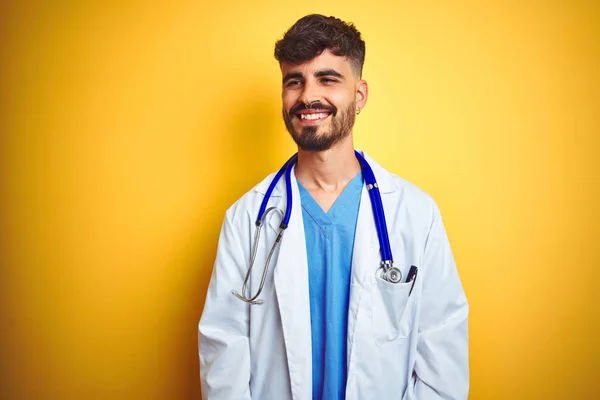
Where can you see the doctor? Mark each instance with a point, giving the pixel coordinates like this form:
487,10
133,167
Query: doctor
330,327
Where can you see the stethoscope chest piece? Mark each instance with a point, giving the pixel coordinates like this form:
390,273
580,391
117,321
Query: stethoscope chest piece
393,275
389,273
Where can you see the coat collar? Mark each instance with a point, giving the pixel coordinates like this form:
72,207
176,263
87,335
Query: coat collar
383,180
365,215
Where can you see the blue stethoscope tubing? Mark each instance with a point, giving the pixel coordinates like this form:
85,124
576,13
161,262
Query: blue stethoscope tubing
386,271
377,206
287,168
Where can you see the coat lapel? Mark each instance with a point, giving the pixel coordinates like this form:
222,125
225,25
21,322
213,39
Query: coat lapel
366,245
291,287
366,256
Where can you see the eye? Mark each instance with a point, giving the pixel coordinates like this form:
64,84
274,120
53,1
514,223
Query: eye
329,81
292,83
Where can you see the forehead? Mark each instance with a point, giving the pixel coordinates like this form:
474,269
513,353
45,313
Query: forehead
325,60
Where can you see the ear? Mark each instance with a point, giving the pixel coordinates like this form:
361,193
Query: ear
362,93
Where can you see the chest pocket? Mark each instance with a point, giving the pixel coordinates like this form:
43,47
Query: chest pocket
392,310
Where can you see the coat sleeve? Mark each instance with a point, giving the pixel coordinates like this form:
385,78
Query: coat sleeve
223,331
442,362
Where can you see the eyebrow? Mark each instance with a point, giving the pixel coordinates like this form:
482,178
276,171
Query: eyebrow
318,74
292,75
329,72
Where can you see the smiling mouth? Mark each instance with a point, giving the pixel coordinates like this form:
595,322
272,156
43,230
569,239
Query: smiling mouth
312,116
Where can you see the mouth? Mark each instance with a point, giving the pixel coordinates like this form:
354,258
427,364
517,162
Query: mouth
312,117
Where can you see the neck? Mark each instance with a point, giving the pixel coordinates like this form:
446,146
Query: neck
329,170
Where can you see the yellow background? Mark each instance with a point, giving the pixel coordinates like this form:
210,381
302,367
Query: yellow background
127,128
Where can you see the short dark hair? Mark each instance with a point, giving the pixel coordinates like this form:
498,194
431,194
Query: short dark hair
315,33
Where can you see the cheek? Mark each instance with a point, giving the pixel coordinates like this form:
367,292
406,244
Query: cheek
342,99
288,100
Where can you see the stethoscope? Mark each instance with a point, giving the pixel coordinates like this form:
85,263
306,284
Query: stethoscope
386,270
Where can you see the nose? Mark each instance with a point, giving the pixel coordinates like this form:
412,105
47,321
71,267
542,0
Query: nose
310,93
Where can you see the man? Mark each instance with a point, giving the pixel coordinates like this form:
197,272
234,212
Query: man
331,325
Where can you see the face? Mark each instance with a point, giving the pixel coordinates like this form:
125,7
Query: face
320,100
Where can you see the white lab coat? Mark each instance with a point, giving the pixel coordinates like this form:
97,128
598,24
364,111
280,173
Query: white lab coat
399,346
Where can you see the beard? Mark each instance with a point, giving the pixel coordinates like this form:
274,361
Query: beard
309,138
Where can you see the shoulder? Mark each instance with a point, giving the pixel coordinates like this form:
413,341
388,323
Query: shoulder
246,207
404,195
416,199
417,209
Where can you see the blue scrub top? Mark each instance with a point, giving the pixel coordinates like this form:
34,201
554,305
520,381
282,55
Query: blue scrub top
329,247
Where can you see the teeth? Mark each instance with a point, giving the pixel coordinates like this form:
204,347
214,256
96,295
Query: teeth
313,116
